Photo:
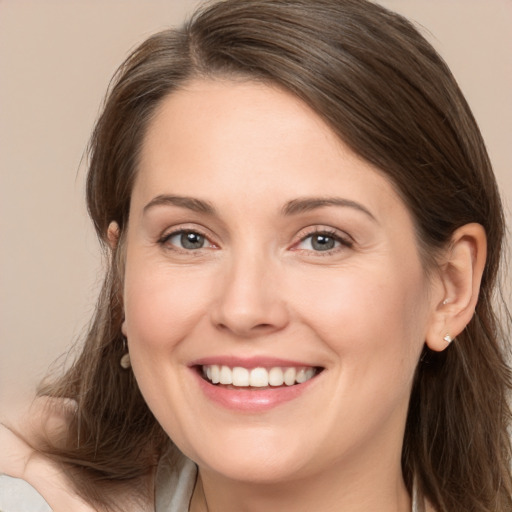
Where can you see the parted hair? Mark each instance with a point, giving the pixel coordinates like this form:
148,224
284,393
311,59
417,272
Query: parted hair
383,89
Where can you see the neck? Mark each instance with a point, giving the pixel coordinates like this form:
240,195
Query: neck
378,489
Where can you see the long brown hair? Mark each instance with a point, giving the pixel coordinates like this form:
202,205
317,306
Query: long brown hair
387,94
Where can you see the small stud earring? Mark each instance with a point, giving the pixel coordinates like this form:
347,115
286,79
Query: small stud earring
448,339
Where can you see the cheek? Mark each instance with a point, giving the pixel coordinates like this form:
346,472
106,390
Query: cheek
365,312
373,323
161,304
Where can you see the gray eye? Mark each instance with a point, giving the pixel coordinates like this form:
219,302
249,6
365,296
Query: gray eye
322,242
191,240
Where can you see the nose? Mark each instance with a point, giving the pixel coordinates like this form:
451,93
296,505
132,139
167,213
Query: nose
250,301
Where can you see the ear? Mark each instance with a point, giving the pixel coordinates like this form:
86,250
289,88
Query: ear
460,274
113,234
113,239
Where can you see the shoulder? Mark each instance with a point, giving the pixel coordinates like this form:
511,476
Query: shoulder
29,475
16,495
20,435
26,469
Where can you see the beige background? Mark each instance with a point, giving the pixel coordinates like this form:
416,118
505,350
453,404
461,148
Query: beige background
56,59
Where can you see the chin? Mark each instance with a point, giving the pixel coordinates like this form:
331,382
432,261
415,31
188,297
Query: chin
257,457
257,469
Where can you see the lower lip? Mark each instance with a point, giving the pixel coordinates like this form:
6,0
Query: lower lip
251,400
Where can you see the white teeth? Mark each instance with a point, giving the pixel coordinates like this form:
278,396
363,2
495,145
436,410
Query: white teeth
240,376
215,373
289,376
275,377
301,376
257,377
226,375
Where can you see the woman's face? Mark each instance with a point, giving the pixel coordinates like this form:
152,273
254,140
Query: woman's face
260,249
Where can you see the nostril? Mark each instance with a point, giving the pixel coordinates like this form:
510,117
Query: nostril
243,329
263,326
245,307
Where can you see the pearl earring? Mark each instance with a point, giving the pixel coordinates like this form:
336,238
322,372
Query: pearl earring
448,339
125,359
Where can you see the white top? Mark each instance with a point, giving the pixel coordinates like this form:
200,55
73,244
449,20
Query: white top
18,496
175,481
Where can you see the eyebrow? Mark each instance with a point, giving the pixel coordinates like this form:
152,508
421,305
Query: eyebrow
297,206
191,203
293,207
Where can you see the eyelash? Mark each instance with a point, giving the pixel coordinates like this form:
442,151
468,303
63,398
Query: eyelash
346,242
164,240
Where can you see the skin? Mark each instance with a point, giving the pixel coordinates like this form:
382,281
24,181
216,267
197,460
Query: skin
19,459
257,287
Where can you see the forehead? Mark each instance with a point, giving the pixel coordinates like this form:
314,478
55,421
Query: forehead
253,142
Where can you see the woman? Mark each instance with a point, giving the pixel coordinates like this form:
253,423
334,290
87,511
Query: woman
304,235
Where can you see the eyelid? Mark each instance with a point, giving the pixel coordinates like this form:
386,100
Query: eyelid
340,236
167,235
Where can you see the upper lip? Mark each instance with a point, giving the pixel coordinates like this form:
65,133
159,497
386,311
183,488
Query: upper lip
250,362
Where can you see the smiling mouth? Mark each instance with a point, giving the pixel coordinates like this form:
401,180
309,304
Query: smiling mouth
257,378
